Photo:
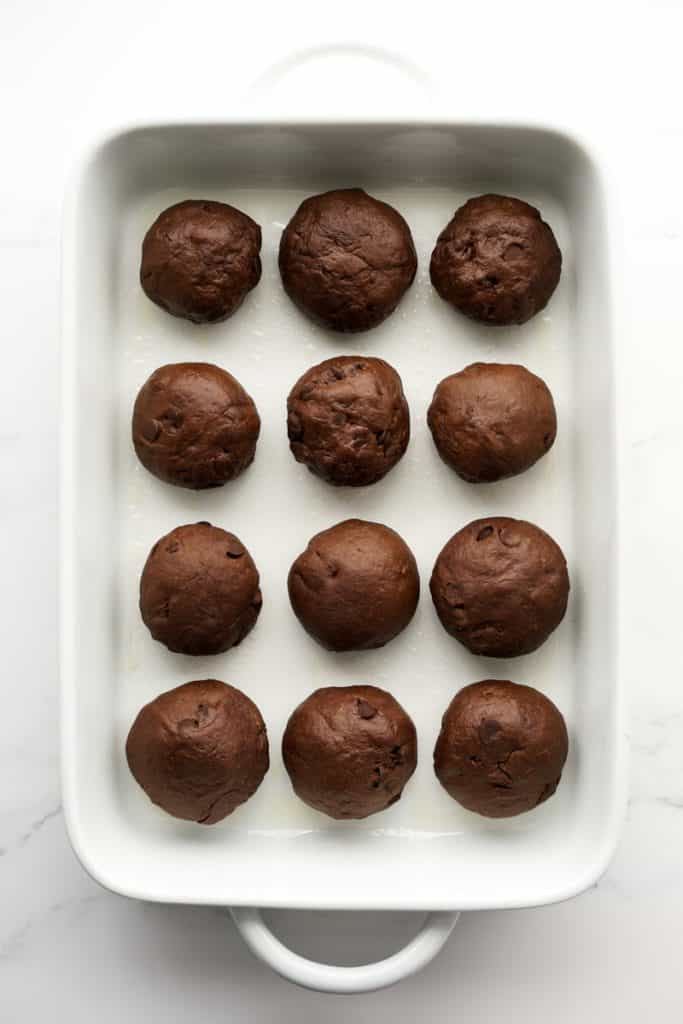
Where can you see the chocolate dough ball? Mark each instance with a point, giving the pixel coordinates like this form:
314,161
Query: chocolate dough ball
194,425
199,260
199,751
199,590
496,261
346,259
355,587
349,750
348,420
501,749
500,586
491,421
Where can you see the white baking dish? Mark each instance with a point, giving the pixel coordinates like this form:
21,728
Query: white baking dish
425,853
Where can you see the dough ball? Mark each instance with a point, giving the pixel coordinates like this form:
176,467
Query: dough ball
199,260
348,420
349,750
199,751
346,259
492,421
500,586
355,587
496,261
199,590
194,425
501,749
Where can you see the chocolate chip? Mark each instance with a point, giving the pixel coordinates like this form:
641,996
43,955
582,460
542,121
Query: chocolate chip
150,430
510,537
366,710
489,729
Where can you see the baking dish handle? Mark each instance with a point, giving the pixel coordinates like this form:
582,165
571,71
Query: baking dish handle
347,81
344,980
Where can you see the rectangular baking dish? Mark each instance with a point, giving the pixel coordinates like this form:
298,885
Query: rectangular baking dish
425,852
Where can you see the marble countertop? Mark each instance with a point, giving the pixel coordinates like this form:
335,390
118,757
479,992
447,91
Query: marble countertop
69,949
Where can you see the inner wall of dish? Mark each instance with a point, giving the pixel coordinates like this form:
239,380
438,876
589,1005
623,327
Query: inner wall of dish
277,505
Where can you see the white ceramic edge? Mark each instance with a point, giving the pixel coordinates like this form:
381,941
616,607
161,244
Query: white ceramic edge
66,514
594,870
428,942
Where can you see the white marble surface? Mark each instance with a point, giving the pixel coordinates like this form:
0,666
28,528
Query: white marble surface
69,950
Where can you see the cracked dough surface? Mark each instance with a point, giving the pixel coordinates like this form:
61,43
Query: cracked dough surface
496,261
199,751
348,420
346,259
200,258
501,749
349,750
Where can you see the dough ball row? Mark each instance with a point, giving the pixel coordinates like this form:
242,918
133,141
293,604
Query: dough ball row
346,259
201,750
500,586
348,422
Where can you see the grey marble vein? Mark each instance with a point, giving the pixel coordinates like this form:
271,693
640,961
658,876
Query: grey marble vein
31,831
